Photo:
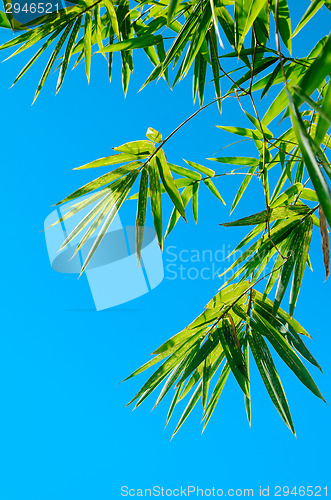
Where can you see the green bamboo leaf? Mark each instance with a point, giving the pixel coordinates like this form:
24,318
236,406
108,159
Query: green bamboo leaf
156,203
180,40
287,268
141,212
281,100
198,39
228,294
68,52
261,247
8,14
133,43
4,22
237,160
316,176
178,182
260,127
101,181
27,39
323,114
216,358
175,215
276,269
211,37
249,11
37,54
246,52
243,187
159,375
154,135
287,196
52,59
96,223
77,207
147,365
325,242
168,182
271,215
110,217
282,315
300,262
244,132
200,323
195,201
201,354
270,377
216,394
174,401
300,171
247,398
323,123
113,160
205,381
98,27
107,200
291,336
251,235
272,79
308,194
283,21
126,72
173,4
287,354
202,79
88,42
110,56
173,377
191,404
314,76
113,18
213,189
234,356
215,22
196,70
258,68
30,37
321,157
228,27
185,172
201,168
310,12
194,379
136,148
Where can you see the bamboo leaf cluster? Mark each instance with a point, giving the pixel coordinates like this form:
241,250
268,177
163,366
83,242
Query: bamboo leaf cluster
243,50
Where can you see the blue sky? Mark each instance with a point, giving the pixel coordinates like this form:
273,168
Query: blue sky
65,431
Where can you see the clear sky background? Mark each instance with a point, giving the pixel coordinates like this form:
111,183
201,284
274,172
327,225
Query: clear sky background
64,430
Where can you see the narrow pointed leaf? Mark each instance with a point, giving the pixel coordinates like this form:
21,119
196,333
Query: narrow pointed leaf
168,182
156,203
287,354
325,242
109,219
211,186
141,212
270,377
301,261
233,354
